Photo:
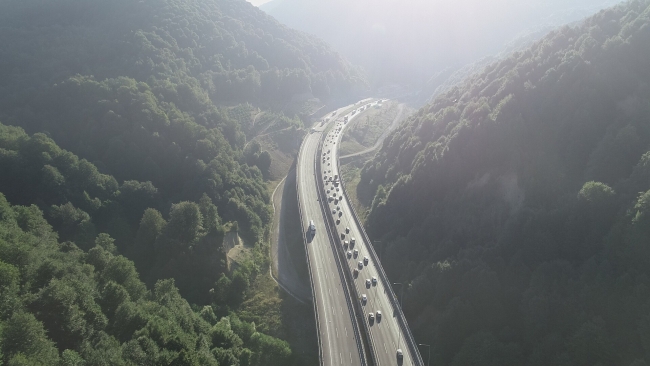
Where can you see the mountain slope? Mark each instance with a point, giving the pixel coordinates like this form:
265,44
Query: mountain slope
231,49
511,203
141,90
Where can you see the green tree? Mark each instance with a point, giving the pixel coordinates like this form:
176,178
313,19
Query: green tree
185,222
24,337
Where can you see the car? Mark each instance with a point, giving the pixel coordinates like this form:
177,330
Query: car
347,229
328,191
367,282
365,260
353,241
338,221
346,244
360,265
340,198
334,211
342,236
340,213
356,253
371,316
355,272
364,298
378,314
328,164
400,354
374,281
337,207
336,201
337,188
349,253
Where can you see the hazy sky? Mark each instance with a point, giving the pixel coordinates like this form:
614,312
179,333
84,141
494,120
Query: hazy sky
258,2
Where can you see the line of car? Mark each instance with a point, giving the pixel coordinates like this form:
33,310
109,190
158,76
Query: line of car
352,253
335,197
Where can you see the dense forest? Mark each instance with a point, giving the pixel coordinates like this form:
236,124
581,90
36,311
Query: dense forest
62,305
517,204
125,160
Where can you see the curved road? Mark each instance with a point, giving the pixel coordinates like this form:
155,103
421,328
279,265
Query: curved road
385,334
339,345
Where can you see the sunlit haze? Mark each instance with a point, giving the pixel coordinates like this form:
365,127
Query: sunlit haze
258,2
410,41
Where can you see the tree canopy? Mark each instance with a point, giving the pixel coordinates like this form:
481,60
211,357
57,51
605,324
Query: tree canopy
63,306
515,204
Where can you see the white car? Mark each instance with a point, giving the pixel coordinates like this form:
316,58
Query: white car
367,282
365,260
356,253
374,282
360,264
349,254
371,316
364,298
347,230
378,314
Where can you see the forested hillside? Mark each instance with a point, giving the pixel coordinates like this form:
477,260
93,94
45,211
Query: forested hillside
126,124
65,306
227,50
516,206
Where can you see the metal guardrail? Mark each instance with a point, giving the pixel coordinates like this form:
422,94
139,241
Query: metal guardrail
356,312
311,282
408,337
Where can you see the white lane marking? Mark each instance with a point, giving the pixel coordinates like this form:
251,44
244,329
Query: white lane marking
385,349
341,358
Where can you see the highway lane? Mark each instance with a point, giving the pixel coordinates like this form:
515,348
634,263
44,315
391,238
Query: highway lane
339,344
385,334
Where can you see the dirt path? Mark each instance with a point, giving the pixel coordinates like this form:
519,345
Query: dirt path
282,267
381,138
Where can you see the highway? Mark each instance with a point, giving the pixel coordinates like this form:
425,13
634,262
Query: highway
385,334
338,340
336,316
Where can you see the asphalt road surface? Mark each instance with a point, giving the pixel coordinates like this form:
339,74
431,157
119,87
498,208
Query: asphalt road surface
385,334
339,344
